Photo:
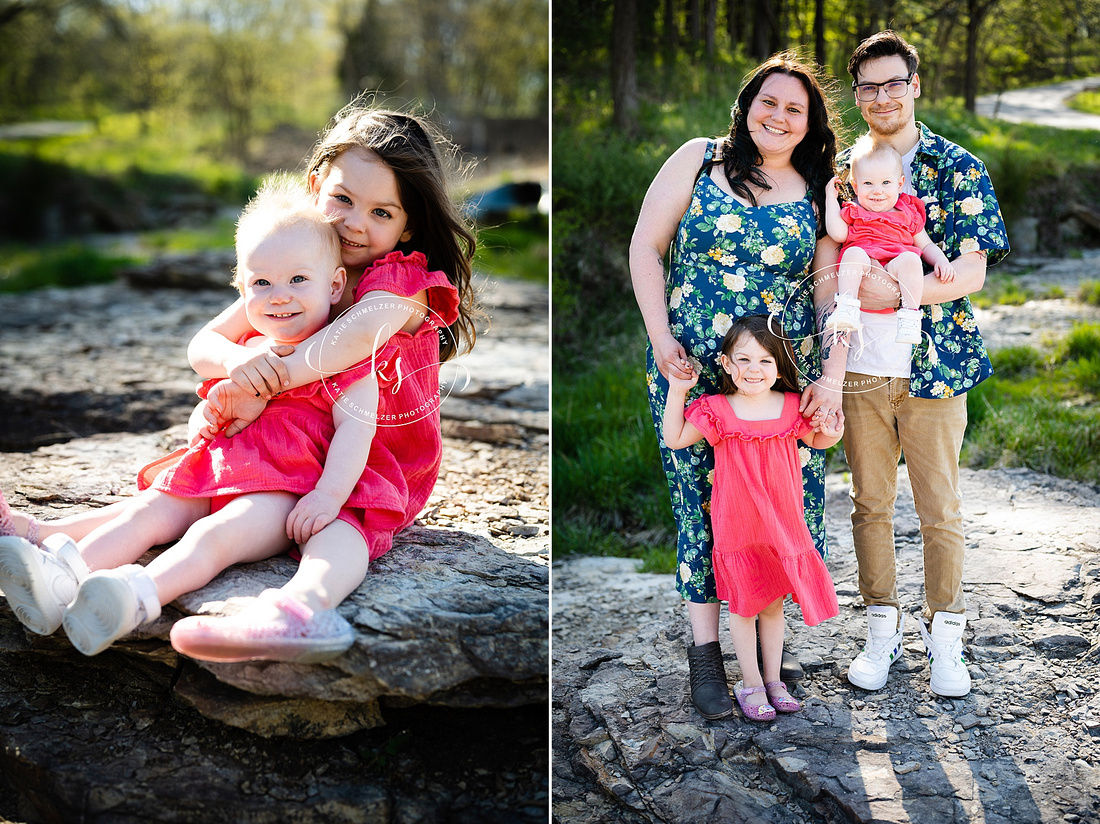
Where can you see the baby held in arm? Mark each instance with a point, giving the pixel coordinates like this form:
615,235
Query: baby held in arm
881,233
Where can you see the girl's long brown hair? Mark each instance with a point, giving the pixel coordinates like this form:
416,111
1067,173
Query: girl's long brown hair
419,156
756,326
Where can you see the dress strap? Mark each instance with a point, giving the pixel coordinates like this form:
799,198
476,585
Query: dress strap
709,159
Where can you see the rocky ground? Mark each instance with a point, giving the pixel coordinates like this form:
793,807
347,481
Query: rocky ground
102,370
1023,747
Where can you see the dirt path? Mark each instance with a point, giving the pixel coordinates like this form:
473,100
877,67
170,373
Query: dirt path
1039,323
1042,105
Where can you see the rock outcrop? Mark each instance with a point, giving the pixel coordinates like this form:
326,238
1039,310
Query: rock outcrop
1023,747
438,710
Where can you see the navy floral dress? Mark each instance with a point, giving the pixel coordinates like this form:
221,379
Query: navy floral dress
729,260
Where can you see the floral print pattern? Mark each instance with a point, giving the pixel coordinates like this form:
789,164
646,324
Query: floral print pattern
729,260
962,216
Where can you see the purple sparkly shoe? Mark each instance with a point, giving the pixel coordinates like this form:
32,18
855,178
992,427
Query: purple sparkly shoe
780,698
754,712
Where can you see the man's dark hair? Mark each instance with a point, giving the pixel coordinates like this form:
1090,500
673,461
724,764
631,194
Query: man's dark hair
884,44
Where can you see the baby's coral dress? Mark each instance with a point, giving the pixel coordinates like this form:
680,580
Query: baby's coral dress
285,448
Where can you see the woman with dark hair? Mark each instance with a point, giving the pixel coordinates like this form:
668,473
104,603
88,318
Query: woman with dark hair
742,220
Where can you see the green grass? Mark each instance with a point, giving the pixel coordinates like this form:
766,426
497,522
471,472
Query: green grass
1087,101
24,268
79,262
1040,409
610,495
517,249
142,151
1089,292
1004,289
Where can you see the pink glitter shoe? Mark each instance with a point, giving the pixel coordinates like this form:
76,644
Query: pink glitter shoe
753,712
780,698
276,627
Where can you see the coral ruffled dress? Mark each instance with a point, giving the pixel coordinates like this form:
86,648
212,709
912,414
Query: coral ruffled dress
285,448
762,547
884,235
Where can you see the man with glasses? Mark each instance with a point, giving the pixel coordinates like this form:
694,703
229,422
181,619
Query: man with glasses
901,398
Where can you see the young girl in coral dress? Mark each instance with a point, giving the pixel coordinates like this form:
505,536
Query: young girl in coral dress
379,178
762,548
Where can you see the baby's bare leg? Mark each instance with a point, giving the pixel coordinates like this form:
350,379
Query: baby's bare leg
854,265
248,528
75,526
334,563
148,520
906,269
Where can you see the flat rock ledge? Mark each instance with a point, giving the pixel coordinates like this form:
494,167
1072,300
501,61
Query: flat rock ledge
445,618
1022,748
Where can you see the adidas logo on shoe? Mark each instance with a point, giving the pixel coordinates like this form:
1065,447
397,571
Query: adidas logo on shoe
871,667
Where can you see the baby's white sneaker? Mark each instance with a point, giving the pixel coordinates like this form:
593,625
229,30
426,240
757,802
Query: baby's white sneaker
39,582
846,316
110,604
908,326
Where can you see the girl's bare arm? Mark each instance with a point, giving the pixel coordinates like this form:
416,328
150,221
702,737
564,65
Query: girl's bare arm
355,414
678,432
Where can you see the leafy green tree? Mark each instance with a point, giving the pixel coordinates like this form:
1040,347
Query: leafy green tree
465,57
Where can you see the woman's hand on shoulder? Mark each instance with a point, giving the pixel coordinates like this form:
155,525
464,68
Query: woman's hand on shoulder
262,372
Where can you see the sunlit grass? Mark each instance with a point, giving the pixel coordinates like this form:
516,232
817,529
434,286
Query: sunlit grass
1087,101
1041,409
142,150
515,249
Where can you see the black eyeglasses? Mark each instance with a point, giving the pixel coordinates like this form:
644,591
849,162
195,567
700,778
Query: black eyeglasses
866,92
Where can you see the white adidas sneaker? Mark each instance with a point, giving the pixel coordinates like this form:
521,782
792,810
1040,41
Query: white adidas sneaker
871,667
946,660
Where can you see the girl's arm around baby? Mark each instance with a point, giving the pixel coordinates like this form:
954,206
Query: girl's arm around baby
362,330
355,414
678,433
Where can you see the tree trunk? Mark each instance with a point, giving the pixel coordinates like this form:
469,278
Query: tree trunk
976,14
671,33
759,48
711,15
735,21
819,32
624,69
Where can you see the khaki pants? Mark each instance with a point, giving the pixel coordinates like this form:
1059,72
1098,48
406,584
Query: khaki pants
881,423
